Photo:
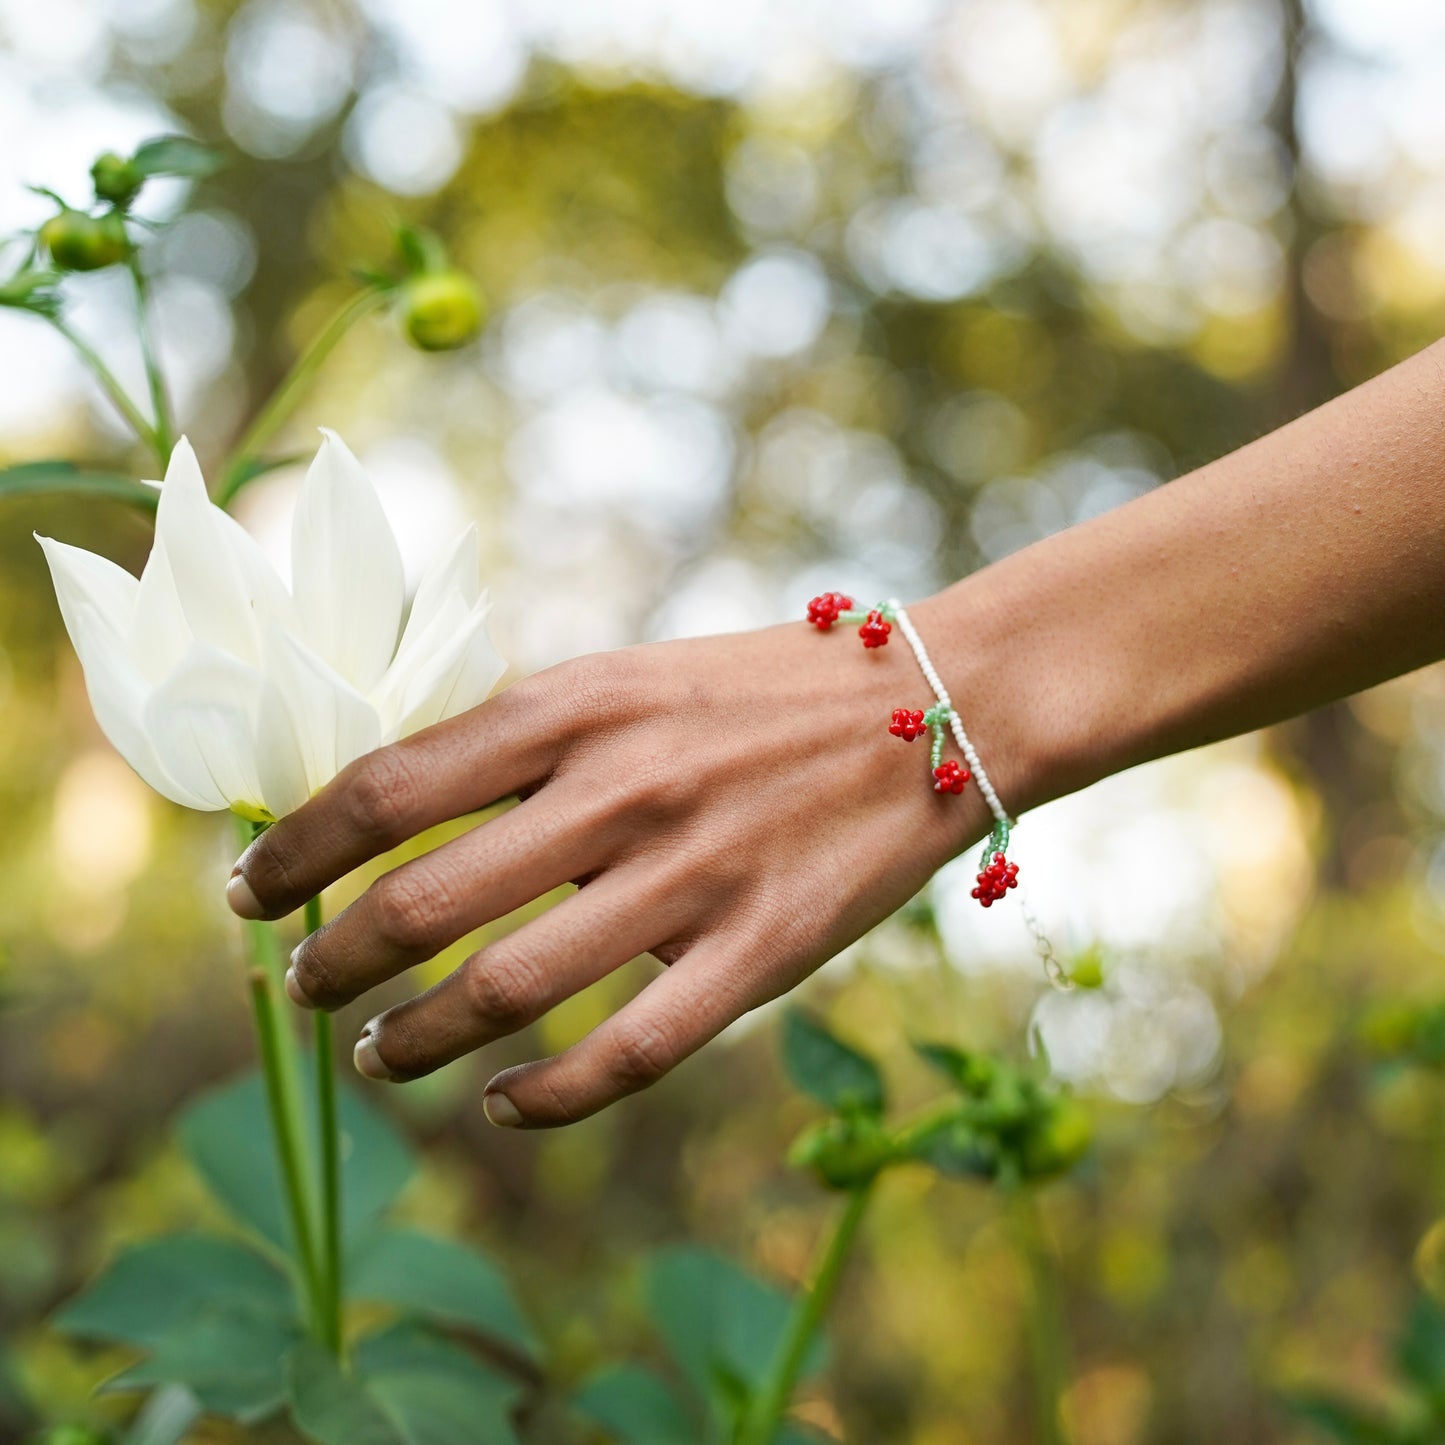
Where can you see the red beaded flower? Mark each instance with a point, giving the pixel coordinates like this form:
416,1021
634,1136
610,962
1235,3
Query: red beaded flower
875,630
823,611
949,777
996,880
907,725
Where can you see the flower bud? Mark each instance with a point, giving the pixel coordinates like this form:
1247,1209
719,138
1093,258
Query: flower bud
78,242
116,179
844,1153
441,310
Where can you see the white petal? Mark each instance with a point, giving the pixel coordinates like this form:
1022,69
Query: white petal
225,585
86,581
280,762
450,678
346,571
330,722
96,600
202,722
481,670
422,654
455,573
159,635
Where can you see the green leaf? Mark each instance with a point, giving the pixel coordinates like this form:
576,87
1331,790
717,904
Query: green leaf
332,1407
165,1419
436,1391
231,1362
176,155
33,289
155,1290
1344,1421
1421,1348
827,1069
29,478
260,466
716,1320
635,1406
227,1136
440,1279
420,249
409,1387
958,1151
970,1073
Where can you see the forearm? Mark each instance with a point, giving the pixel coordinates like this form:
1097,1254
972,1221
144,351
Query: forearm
1301,568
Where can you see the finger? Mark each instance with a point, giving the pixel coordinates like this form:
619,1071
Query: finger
676,1014
410,914
516,980
390,795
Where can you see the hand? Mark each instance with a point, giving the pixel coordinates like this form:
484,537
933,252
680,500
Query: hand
734,806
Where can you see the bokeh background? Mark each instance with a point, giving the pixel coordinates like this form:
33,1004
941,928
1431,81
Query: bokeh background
784,296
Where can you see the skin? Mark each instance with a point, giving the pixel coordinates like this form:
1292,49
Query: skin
735,807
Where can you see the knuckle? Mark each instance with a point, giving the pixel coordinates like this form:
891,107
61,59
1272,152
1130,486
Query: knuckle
381,794
665,789
641,1056
597,689
502,991
409,912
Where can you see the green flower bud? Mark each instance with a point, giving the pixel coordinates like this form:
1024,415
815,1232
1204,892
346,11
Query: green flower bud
78,242
116,179
441,310
1058,1140
843,1152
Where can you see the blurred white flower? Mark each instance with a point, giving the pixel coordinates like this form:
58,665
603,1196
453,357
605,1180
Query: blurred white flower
223,689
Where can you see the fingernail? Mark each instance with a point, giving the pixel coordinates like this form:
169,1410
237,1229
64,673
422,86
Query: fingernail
241,899
295,992
368,1060
501,1111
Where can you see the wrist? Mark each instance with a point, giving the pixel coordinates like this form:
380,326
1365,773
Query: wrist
1030,686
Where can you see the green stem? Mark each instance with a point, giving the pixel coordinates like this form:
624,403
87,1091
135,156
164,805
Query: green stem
768,1406
112,388
160,404
331,1291
281,1069
1044,1322
284,399
269,1031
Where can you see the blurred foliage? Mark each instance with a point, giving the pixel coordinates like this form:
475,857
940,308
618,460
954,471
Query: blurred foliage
1232,1247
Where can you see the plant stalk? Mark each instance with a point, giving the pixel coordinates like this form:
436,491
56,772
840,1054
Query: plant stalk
284,399
1044,1316
112,388
281,1069
327,1121
269,1030
765,1414
160,403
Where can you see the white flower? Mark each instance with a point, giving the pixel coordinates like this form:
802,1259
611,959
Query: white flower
224,690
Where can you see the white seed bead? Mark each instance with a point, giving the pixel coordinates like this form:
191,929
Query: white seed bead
930,674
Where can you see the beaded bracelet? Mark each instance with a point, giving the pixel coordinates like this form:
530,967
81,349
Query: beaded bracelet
997,873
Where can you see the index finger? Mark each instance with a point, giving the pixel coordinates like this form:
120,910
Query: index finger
388,796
